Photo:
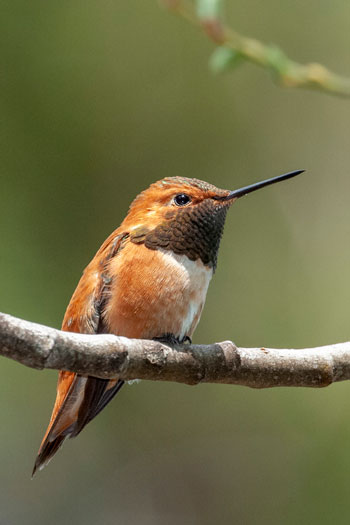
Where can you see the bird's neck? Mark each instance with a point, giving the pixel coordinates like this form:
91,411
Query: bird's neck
194,232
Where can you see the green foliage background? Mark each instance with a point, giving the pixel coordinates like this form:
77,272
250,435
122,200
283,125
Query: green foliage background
99,99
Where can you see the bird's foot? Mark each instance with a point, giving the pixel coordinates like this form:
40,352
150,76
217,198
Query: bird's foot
171,339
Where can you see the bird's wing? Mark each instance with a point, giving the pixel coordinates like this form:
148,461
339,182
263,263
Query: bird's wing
79,399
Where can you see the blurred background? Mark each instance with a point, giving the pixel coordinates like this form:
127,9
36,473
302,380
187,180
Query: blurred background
98,100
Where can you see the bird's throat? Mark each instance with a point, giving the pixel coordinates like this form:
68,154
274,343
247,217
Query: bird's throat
194,231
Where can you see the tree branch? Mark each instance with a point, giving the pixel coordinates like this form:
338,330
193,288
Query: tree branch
108,356
234,48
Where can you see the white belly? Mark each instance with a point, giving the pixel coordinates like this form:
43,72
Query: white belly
193,279
155,292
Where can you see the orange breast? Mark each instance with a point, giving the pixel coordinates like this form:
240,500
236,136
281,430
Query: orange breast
154,293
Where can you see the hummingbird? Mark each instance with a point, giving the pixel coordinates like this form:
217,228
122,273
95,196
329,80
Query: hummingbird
148,280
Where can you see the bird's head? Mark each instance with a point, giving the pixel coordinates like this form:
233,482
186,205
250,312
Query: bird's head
185,216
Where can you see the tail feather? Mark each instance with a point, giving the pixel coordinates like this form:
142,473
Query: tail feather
79,399
46,453
98,393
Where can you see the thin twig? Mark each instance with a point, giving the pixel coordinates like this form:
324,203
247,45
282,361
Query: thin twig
108,356
286,72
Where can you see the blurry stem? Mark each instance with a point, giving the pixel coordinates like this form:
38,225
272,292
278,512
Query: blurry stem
285,71
110,356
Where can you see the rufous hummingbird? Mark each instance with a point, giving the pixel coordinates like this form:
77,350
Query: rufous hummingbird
148,280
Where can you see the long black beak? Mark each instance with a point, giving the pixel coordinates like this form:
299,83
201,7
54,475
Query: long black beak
253,187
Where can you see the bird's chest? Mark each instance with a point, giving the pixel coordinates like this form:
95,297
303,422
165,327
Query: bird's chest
155,292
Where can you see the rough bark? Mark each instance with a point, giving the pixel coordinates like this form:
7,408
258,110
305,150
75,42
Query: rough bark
107,356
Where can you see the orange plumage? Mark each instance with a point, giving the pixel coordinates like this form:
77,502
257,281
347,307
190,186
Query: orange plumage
149,280
131,290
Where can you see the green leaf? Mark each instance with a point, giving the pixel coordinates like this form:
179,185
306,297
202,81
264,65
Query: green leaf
208,9
277,59
223,59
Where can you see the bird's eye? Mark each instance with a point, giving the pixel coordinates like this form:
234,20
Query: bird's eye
182,199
